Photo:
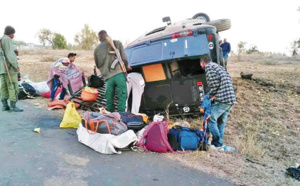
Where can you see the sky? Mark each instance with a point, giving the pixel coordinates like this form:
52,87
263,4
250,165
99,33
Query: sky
270,25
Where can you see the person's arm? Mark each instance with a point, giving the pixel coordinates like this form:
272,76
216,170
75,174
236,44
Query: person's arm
213,81
98,62
229,48
9,52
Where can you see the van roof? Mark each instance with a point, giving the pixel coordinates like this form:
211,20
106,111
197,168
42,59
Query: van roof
187,24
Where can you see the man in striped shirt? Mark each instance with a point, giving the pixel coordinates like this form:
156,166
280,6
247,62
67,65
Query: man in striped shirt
221,87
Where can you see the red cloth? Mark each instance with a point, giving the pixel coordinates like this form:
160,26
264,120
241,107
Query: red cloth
47,94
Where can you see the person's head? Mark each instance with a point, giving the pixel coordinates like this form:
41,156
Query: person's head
10,31
204,60
71,57
225,40
102,35
220,41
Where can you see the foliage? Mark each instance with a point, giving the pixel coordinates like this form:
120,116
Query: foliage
87,38
241,47
19,43
46,36
59,41
295,45
56,40
252,49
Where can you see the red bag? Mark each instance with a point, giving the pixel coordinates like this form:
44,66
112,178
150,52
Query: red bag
156,137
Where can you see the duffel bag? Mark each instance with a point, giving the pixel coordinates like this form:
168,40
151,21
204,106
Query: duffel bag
183,138
103,123
133,122
95,81
26,91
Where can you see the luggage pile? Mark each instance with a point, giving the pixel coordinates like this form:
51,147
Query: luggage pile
107,133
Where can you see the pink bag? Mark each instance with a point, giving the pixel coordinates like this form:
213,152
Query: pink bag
156,137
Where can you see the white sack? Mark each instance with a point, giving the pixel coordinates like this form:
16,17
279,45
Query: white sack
105,143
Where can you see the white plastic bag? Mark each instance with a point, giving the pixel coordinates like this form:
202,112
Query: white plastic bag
158,117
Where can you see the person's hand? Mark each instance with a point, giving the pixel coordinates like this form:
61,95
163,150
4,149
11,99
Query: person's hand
16,52
129,68
17,69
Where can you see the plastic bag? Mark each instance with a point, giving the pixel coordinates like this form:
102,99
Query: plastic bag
158,117
71,117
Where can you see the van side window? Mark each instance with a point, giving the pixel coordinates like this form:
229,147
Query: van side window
154,72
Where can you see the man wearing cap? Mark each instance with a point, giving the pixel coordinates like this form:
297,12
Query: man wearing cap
114,77
8,71
61,72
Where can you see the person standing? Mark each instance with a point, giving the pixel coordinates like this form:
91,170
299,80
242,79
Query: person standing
136,85
220,84
114,77
9,69
226,48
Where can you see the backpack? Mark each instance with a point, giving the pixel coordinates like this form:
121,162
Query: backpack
183,138
26,91
155,137
133,122
103,123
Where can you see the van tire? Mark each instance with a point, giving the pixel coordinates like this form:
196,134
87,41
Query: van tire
202,16
220,24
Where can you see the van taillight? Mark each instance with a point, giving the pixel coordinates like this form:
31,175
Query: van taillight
182,34
210,37
199,83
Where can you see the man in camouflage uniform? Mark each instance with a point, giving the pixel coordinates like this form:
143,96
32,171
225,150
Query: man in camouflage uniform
8,71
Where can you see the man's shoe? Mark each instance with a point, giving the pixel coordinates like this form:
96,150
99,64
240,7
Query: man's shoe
14,108
218,149
5,105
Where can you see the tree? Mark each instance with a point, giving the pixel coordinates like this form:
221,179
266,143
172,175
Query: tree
56,40
59,41
19,44
252,49
46,36
87,38
295,45
241,47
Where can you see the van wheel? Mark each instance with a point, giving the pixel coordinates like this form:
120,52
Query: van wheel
220,24
202,16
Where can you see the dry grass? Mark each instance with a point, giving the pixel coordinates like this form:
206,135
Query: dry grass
264,125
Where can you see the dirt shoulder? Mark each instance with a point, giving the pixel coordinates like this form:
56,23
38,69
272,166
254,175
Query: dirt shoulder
264,126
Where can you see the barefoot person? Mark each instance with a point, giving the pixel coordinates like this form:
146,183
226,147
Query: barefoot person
8,71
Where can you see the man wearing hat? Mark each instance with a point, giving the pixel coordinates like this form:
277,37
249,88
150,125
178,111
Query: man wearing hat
8,71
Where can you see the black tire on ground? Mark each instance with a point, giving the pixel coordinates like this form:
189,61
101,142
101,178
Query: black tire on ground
220,24
202,16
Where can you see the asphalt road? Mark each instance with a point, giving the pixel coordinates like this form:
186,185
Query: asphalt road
55,157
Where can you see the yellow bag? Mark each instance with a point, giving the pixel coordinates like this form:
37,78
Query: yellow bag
71,117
